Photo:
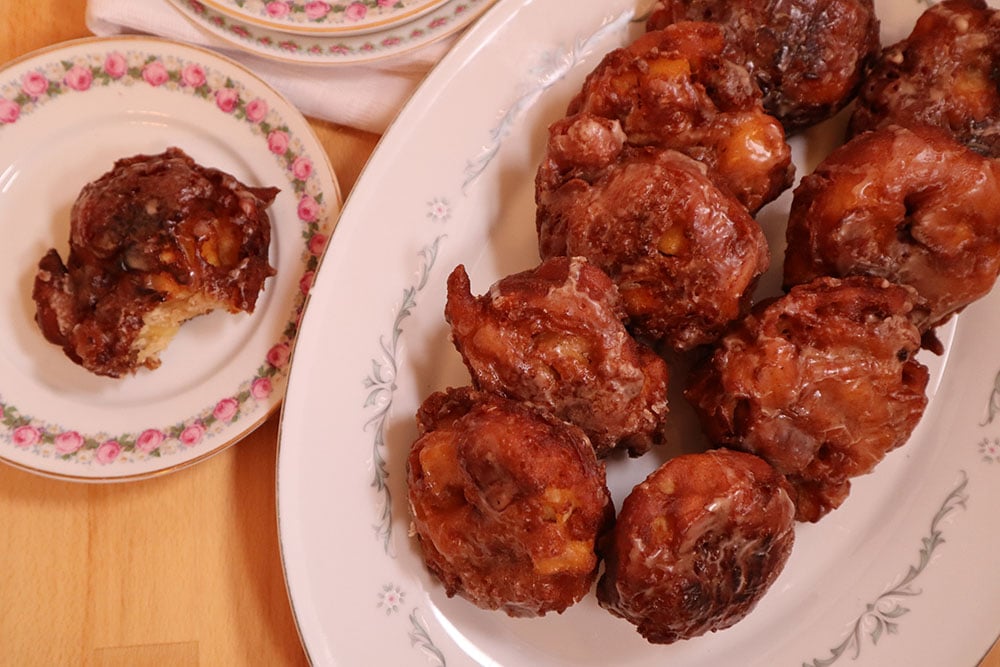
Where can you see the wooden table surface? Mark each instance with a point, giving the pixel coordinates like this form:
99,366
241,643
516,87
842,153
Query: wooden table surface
179,570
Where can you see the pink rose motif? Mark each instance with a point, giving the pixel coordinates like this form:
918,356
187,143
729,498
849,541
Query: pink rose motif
386,3
34,84
108,451
227,99
308,209
277,142
68,442
9,111
239,31
391,41
226,409
193,75
79,77
277,9
256,110
316,243
115,65
317,10
305,283
302,168
155,73
26,436
192,435
278,355
149,440
261,388
356,11
289,45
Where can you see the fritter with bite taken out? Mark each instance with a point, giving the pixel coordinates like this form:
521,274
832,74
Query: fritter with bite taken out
154,242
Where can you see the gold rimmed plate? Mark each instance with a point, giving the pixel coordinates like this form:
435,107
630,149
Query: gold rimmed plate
317,17
394,40
66,114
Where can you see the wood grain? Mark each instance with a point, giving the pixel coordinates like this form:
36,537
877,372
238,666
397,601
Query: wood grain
178,570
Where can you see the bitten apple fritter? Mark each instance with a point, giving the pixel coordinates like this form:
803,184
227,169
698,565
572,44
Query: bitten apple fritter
154,242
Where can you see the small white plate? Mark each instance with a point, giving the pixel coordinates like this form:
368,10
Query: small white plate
316,17
395,40
904,573
66,114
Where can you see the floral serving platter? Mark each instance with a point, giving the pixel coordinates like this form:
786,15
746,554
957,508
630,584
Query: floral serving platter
66,114
443,20
903,573
313,17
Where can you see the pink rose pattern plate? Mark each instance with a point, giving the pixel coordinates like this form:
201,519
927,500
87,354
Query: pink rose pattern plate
337,17
443,20
134,67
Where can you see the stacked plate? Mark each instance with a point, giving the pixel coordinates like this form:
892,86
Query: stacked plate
334,31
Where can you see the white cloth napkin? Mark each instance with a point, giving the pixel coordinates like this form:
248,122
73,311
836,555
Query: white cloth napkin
366,96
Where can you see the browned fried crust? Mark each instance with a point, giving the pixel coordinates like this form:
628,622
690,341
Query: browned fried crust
684,254
674,88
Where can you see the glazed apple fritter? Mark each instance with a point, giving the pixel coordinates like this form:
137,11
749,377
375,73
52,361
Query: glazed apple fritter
554,336
155,241
507,502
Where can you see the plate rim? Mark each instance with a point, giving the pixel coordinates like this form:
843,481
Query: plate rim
310,29
237,33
